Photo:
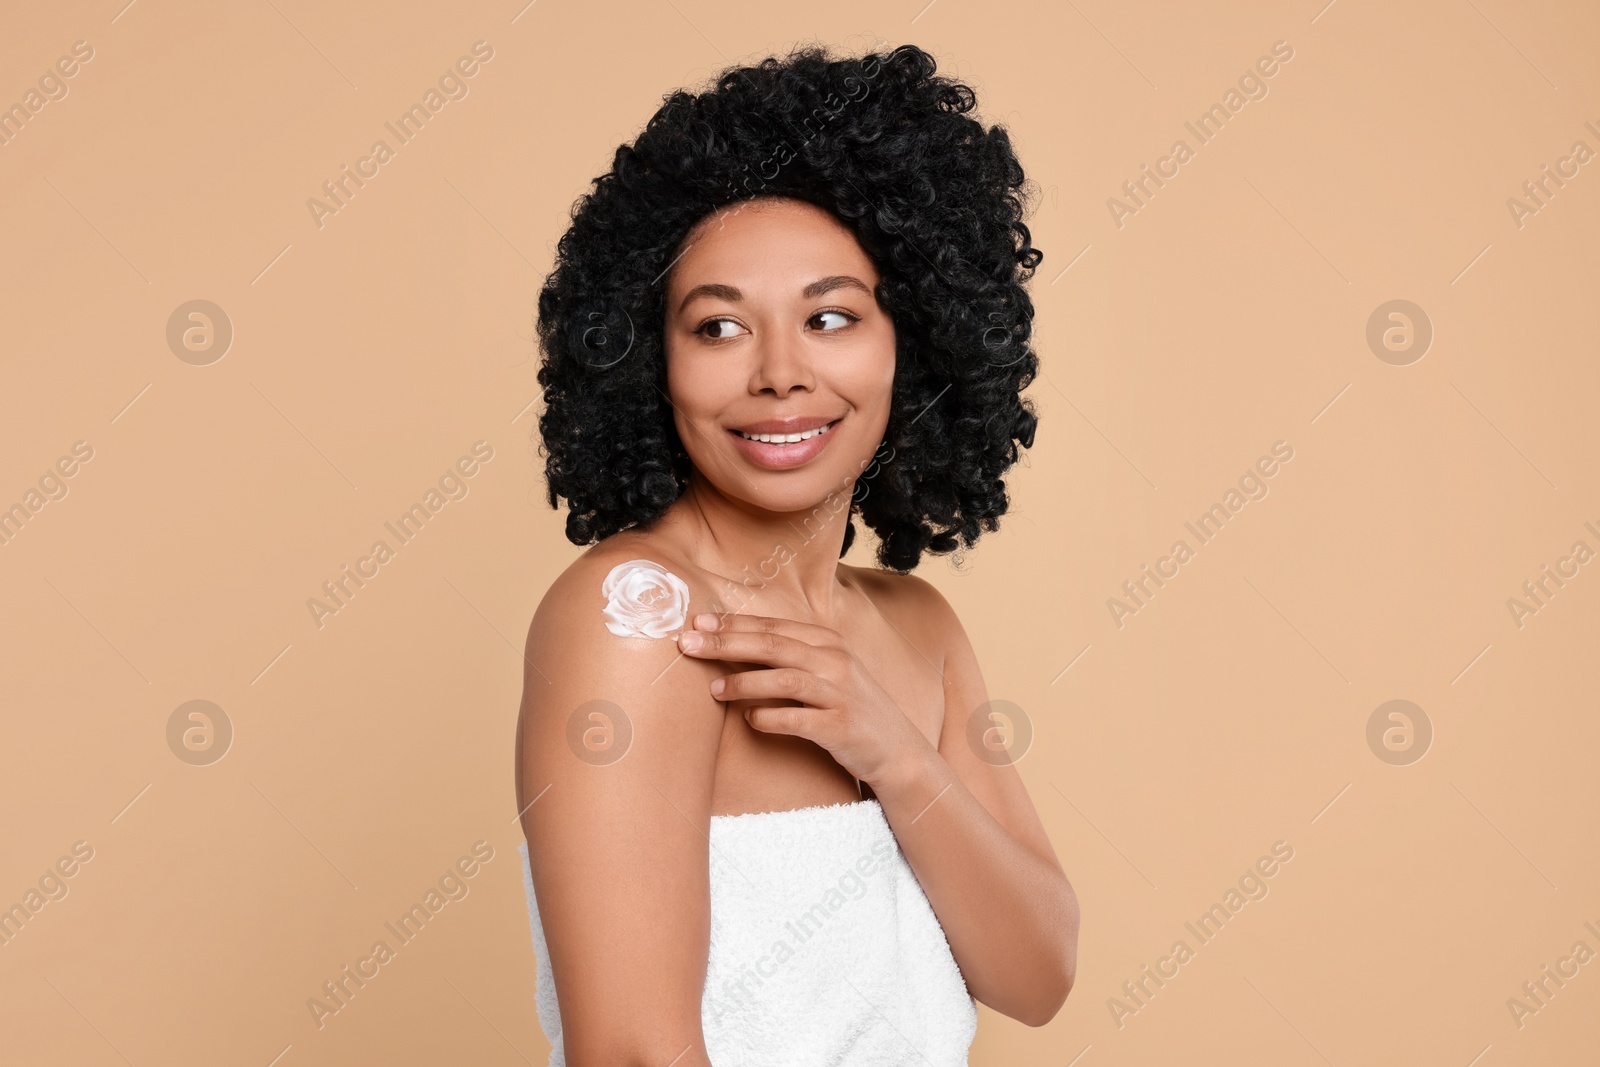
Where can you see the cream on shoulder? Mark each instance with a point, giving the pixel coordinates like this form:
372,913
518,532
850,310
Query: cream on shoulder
644,599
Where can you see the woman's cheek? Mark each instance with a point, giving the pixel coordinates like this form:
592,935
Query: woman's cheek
871,379
692,392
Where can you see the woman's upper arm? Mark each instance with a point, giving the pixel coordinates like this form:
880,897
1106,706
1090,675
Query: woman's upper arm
617,741
995,781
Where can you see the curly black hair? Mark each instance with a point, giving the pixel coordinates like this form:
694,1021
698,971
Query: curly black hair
936,201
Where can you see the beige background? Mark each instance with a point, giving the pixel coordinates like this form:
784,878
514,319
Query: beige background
1230,312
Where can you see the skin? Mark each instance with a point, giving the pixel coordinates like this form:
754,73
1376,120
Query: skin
838,682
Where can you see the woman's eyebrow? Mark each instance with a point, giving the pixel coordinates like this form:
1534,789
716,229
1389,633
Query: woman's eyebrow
832,282
810,292
716,289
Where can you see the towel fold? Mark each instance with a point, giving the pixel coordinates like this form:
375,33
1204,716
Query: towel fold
824,950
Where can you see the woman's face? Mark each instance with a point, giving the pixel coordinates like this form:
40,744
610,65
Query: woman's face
771,328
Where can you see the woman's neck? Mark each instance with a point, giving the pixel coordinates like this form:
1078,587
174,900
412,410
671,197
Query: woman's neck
770,563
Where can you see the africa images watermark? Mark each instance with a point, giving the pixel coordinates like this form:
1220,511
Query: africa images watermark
1539,591
453,885
851,886
1252,885
52,485
1252,486
52,88
1541,190
452,486
1537,992
452,85
1252,86
52,885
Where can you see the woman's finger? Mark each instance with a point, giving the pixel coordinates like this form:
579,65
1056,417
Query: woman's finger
780,720
811,633
751,646
787,683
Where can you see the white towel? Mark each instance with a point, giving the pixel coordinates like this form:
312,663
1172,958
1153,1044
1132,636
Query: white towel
824,950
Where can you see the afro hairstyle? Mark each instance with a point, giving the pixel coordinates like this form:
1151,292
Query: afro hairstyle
935,199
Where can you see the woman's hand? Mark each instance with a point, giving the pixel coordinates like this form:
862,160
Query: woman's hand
843,708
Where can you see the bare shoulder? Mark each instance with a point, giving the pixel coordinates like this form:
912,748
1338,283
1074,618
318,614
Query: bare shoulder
602,647
609,573
914,605
624,599
917,606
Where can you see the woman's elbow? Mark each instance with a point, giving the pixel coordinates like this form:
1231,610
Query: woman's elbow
1053,994
1049,1002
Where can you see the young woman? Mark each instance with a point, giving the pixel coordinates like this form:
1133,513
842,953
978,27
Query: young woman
762,824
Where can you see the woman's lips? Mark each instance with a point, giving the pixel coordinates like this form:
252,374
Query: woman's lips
784,457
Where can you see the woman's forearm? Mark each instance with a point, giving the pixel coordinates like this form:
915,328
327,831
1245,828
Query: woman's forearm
1010,915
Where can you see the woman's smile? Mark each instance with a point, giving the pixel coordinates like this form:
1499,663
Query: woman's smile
774,446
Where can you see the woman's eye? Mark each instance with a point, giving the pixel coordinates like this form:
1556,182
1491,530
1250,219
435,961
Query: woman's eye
844,317
710,325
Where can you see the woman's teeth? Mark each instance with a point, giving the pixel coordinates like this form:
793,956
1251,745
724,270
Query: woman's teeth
785,438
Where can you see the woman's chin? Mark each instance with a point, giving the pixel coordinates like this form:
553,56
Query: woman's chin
811,494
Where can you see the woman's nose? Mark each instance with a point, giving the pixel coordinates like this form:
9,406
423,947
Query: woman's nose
782,365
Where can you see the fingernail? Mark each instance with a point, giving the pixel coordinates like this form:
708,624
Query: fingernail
716,687
706,622
690,640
